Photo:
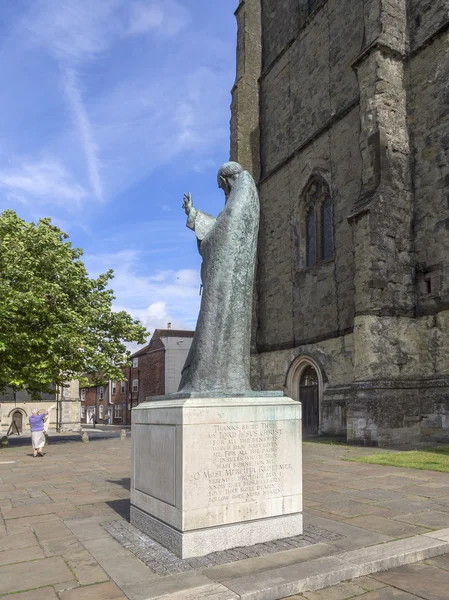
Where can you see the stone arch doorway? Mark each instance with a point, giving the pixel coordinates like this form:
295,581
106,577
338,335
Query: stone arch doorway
305,384
17,419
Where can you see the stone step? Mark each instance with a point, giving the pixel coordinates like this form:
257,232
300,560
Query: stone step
324,572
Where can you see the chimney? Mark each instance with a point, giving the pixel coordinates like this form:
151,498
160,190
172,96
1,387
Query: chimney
168,325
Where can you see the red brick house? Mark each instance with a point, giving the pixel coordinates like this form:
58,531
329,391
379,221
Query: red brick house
155,370
94,401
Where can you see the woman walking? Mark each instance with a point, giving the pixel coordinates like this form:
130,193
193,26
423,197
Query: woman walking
37,431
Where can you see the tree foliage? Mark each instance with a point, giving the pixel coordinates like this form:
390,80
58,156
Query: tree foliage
56,323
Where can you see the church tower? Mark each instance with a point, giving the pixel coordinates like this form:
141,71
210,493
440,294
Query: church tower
245,93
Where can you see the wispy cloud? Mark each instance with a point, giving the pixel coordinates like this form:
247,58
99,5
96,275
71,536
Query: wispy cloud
44,181
81,118
145,295
168,17
74,30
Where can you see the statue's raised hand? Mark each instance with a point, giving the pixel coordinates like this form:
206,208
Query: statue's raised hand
187,204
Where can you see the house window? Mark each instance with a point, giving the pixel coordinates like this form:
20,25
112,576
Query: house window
122,387
135,363
135,385
114,388
83,395
101,407
83,412
117,411
318,227
101,392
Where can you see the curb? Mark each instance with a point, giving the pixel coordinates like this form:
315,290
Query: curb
320,573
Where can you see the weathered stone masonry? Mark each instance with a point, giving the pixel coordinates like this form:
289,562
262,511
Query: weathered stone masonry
356,93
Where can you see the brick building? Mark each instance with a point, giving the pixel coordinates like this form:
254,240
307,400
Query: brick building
155,370
340,110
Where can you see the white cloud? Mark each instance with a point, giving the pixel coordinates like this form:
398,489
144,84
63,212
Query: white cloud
44,181
81,118
155,298
74,30
168,17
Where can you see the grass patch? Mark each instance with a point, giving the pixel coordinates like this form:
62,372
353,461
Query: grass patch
430,459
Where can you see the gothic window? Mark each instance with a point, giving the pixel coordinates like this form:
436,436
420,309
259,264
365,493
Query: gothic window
327,242
310,233
318,227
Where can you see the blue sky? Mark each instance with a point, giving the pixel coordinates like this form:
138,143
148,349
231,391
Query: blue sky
109,111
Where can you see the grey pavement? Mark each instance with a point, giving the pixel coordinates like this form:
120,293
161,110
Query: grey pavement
384,532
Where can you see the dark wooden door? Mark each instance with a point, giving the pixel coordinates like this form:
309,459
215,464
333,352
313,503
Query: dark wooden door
308,395
18,420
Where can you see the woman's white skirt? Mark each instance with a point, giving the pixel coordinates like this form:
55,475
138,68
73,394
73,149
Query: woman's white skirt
37,439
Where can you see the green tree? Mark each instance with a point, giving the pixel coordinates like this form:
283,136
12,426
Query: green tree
56,323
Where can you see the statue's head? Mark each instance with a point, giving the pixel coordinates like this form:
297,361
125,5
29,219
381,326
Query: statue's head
227,176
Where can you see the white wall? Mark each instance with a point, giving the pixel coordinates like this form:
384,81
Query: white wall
176,350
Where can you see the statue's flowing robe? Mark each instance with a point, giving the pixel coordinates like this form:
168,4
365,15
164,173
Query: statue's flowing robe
219,358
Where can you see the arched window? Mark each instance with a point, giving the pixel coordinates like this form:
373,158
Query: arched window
319,227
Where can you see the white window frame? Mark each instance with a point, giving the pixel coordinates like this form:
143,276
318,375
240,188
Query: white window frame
135,362
135,385
117,411
101,411
83,412
83,395
114,388
101,392
122,387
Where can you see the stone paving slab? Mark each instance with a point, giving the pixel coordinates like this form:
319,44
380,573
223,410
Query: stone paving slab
84,486
36,573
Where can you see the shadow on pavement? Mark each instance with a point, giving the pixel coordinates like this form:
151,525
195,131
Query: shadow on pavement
121,507
125,482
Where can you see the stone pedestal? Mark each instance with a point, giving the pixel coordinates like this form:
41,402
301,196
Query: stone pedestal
210,474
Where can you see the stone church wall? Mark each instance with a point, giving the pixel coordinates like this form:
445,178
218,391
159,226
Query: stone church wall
357,93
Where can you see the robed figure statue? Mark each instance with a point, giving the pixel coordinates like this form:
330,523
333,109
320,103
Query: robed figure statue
219,358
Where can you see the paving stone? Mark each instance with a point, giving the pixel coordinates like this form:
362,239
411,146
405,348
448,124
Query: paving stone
349,509
9,557
15,542
342,591
368,583
420,579
46,593
431,518
86,568
30,501
388,593
406,506
442,562
378,494
66,585
394,528
38,573
38,509
121,565
99,591
67,547
51,530
87,529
